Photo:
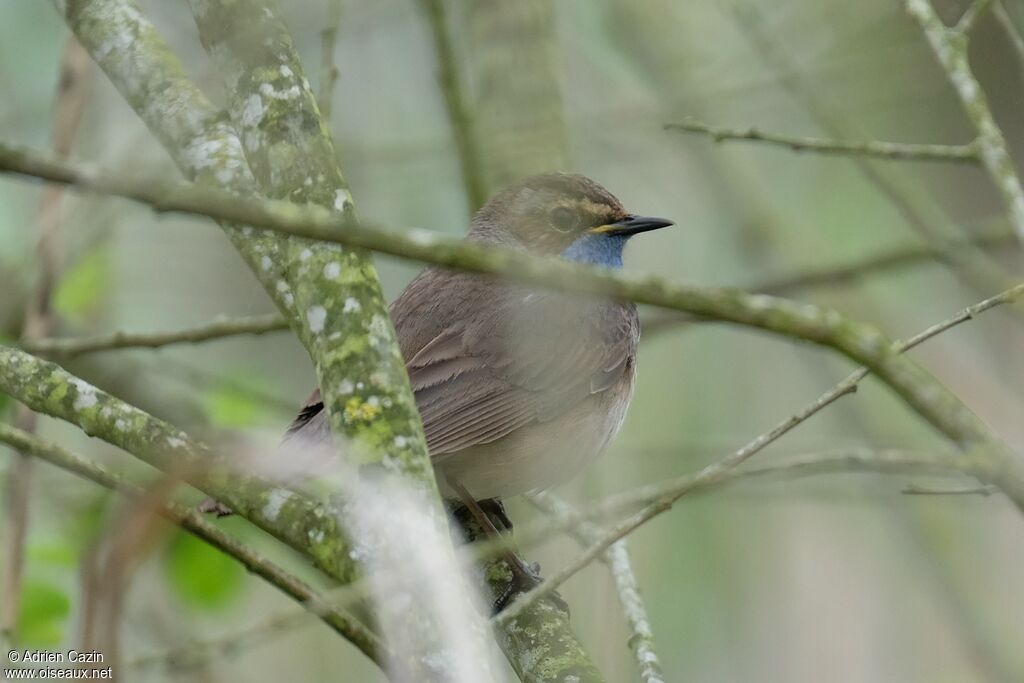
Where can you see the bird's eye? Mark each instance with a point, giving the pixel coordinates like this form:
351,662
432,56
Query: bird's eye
564,220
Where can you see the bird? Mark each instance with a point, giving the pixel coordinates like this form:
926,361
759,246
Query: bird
518,387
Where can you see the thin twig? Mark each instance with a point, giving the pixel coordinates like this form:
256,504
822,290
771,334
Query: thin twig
71,97
328,69
1014,35
716,471
971,15
918,490
217,329
878,149
641,642
950,47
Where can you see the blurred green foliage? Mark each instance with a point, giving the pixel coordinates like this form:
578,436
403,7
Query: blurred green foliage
202,576
84,286
44,610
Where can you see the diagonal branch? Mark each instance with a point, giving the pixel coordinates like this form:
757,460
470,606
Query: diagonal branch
1003,469
294,519
197,525
950,47
859,342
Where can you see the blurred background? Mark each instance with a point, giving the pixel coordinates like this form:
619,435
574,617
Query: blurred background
840,577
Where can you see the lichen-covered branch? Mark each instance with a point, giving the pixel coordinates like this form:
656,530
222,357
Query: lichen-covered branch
301,523
344,320
950,47
196,524
877,149
641,640
844,274
194,132
217,329
345,326
185,122
859,342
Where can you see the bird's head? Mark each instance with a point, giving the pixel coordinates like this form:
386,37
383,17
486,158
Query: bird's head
562,214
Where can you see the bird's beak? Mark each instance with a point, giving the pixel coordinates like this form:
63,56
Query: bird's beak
632,225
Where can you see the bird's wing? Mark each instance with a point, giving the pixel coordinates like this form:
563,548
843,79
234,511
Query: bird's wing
513,358
526,357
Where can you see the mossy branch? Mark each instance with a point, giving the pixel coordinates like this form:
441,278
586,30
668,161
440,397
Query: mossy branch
208,149
826,327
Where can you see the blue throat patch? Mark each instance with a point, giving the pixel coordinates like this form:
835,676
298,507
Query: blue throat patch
597,249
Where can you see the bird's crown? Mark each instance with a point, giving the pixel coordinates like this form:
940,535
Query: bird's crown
548,213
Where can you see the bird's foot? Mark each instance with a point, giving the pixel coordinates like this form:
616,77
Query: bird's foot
525,577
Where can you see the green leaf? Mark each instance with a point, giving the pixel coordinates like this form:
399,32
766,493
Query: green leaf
201,575
44,609
230,405
84,286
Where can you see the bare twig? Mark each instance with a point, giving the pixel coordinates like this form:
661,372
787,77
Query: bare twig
716,471
328,69
950,47
72,92
970,16
1014,35
217,329
641,642
878,149
918,490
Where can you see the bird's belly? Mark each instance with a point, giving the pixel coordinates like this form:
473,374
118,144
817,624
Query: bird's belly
541,455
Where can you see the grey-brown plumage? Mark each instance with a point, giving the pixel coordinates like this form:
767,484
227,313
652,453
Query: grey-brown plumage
519,388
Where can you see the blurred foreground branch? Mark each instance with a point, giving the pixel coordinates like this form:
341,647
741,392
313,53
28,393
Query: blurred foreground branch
196,524
641,642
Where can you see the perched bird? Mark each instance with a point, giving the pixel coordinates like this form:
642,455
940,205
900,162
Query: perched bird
519,388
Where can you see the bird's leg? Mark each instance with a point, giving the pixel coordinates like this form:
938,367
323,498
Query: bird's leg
524,577
495,509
